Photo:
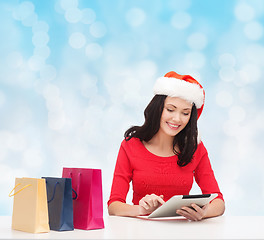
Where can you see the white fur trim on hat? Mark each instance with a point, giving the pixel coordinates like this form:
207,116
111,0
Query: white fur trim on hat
174,87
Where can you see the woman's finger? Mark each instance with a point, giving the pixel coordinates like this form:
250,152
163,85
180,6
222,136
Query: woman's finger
159,199
193,213
197,209
185,214
146,202
154,200
143,204
201,211
151,201
205,207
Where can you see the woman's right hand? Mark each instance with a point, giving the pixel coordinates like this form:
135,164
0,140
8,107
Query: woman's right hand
149,203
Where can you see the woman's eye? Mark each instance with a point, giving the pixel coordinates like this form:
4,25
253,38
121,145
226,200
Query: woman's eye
169,110
186,114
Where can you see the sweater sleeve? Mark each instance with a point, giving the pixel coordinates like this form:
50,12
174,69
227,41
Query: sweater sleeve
122,177
204,175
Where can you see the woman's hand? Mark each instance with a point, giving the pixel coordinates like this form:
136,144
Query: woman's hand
149,203
195,213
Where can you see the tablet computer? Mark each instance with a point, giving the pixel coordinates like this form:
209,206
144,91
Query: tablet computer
168,209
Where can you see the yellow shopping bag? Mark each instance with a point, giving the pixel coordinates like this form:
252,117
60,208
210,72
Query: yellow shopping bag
30,208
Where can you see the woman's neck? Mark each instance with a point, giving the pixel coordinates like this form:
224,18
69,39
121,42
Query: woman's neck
161,144
162,140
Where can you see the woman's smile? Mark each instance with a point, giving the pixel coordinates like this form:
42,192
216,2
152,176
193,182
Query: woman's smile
173,126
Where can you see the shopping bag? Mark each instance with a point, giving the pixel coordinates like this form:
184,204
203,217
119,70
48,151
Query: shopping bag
30,208
59,196
88,205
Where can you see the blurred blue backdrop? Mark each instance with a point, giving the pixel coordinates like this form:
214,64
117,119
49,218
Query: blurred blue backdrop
75,74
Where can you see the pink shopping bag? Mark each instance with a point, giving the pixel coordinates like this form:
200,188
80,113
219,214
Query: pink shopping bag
88,205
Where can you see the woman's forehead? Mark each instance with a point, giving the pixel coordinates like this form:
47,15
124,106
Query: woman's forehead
178,102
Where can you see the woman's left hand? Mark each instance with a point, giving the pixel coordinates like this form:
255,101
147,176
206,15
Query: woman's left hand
195,214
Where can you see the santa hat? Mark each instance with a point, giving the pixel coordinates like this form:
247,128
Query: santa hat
182,86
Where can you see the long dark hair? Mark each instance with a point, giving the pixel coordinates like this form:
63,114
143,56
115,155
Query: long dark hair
186,139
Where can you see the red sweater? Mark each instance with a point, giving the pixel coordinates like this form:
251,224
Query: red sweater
150,173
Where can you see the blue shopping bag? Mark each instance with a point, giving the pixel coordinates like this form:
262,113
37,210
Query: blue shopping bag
60,206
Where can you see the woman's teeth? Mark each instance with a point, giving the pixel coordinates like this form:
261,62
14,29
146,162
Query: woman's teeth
173,125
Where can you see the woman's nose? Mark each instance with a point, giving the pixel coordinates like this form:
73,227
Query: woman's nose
176,117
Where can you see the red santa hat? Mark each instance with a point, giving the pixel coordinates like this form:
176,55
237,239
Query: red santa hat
182,86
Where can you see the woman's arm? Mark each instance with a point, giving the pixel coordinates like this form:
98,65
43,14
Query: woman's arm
123,209
215,208
146,206
204,176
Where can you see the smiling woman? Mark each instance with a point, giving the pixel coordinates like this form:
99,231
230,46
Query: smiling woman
162,156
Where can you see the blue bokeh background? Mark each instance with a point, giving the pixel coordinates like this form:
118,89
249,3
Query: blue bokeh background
75,74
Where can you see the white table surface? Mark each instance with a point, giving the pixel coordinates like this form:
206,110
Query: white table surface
224,227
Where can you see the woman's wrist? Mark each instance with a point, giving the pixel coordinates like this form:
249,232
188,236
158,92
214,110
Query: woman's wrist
141,210
123,209
136,210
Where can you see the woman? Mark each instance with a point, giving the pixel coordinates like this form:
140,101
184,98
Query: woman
162,156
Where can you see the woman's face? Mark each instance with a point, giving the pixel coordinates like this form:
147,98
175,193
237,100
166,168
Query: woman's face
175,116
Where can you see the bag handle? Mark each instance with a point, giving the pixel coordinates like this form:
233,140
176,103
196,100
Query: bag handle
78,186
11,195
76,195
54,190
53,195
